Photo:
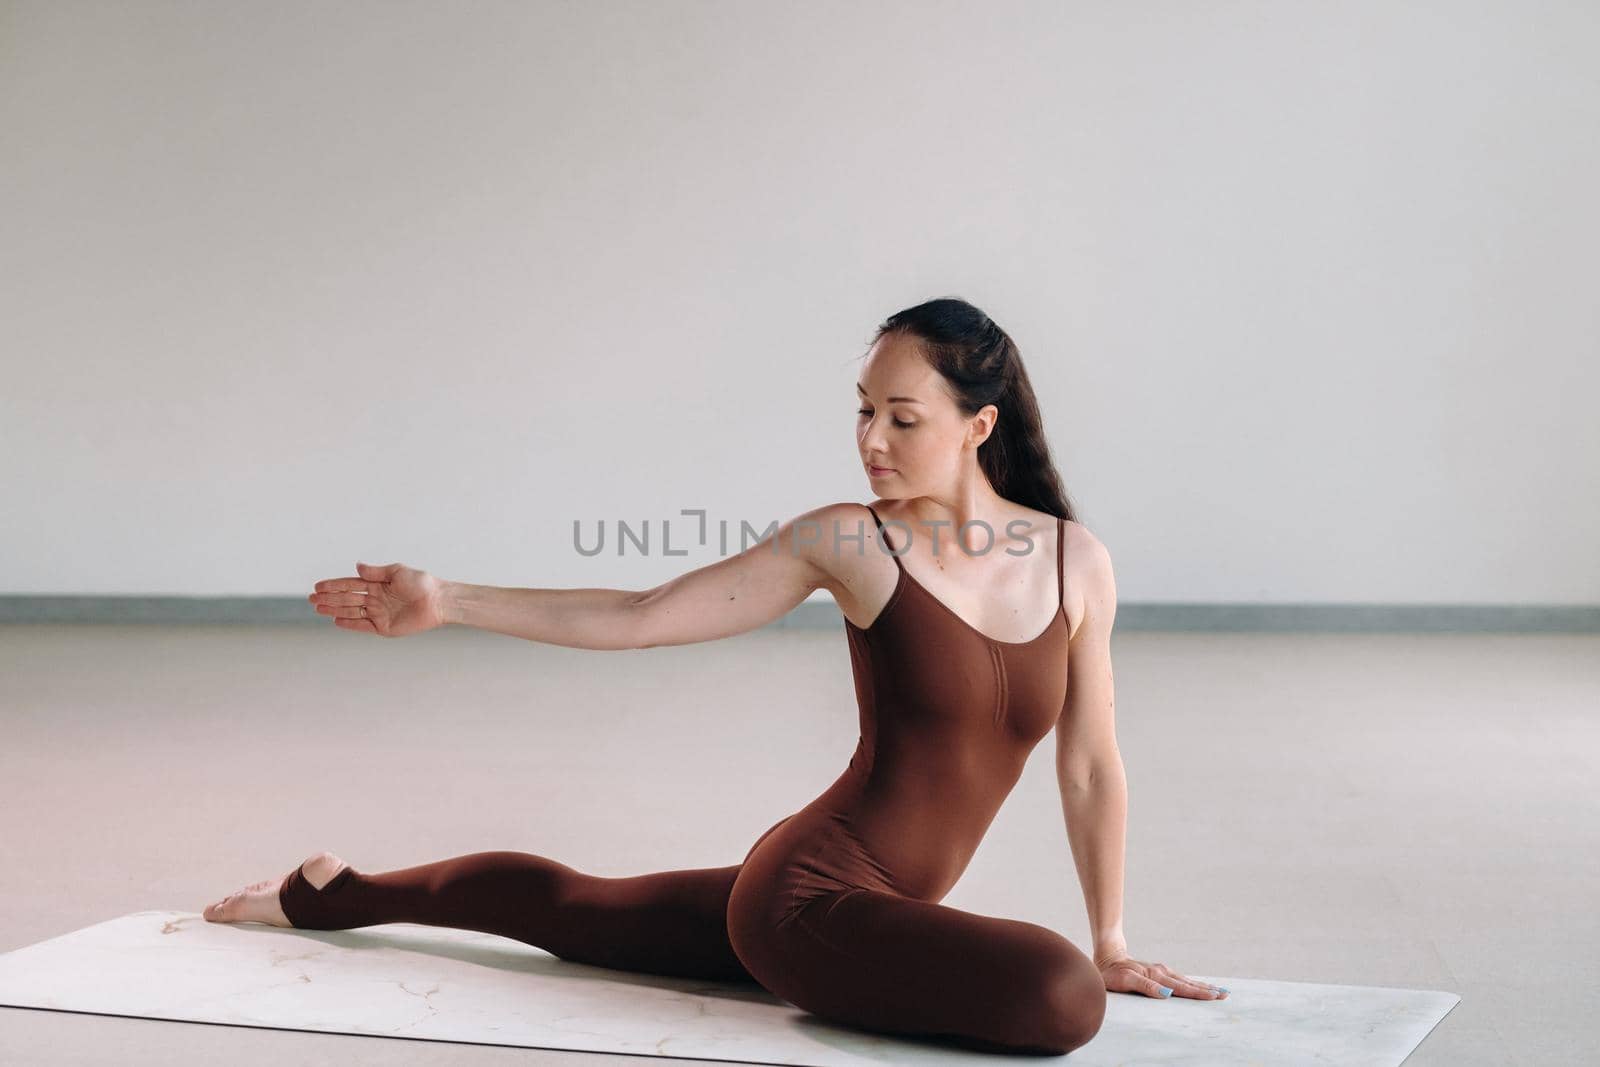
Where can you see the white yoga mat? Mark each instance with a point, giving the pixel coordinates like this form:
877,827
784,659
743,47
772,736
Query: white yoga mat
438,984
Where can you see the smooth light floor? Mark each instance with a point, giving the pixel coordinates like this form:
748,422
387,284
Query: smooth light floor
1399,810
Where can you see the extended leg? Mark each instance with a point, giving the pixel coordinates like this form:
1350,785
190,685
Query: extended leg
668,922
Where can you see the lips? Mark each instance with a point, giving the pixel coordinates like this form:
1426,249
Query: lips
874,469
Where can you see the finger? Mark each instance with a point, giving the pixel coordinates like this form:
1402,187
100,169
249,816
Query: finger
1196,990
358,611
381,573
1160,970
365,625
1185,985
339,599
340,585
1151,987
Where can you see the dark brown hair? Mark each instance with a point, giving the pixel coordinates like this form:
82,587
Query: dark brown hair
982,365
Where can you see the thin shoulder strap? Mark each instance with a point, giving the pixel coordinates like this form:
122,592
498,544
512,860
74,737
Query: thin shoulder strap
1061,570
892,553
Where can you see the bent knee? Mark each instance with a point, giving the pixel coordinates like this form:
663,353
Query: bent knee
1068,1007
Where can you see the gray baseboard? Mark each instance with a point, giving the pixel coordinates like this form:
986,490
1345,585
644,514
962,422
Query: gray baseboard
1276,618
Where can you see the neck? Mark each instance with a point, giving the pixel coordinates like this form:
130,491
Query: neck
971,500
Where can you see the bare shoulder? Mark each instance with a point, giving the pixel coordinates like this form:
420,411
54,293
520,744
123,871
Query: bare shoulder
1091,582
843,534
1082,542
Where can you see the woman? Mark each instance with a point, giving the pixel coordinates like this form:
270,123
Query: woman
836,907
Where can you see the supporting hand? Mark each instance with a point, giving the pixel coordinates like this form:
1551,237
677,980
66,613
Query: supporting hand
1128,975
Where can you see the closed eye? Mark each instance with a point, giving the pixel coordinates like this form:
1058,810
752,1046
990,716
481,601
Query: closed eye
897,422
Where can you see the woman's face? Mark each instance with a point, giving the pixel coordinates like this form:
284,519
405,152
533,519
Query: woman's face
909,432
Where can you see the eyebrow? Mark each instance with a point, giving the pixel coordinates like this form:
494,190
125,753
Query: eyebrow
892,399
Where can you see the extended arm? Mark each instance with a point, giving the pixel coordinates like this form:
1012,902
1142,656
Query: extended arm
1094,794
730,596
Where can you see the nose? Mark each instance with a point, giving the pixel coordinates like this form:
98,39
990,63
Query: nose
872,440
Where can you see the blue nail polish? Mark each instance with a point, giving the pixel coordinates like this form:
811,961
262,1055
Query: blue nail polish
1224,988
1166,992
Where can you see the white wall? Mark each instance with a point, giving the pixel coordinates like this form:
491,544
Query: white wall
1308,290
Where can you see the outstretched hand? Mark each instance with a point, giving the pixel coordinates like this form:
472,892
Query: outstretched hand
1128,975
392,600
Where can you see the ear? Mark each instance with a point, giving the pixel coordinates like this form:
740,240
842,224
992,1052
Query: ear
982,425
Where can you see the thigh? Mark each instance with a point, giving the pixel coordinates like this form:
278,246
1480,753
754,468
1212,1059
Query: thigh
885,962
667,922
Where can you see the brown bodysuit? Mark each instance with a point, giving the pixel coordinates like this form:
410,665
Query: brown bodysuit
835,908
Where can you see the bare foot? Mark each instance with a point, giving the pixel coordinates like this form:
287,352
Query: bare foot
258,902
